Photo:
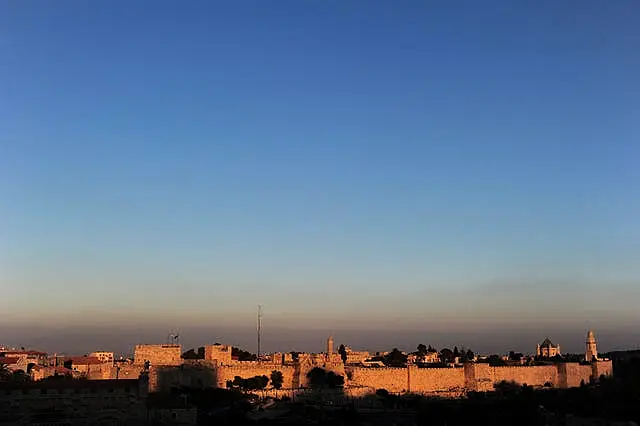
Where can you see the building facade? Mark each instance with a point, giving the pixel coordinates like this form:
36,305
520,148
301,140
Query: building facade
547,349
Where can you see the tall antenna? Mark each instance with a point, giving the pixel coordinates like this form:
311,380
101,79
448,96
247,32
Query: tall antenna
259,328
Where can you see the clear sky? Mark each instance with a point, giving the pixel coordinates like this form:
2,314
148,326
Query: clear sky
436,168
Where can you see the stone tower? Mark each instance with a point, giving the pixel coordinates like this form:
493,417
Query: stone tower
591,352
330,345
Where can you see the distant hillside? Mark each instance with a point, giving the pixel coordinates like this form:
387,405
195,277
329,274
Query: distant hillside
622,355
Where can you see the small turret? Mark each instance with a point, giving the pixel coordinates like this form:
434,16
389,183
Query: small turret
330,345
591,352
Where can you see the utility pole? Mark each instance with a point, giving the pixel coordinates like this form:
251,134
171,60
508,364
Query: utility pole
259,329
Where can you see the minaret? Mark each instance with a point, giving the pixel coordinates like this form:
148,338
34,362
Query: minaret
330,346
591,352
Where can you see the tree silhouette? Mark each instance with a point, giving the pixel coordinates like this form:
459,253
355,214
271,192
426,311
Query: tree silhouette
191,354
496,361
243,355
320,378
343,353
20,376
252,383
276,379
422,349
446,355
456,353
395,358
513,356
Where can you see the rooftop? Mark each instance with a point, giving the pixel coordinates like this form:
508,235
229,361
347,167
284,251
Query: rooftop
24,353
84,360
547,343
8,361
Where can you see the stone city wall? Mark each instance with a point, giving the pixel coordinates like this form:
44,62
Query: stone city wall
603,368
427,380
158,354
572,375
478,377
225,373
126,371
199,376
393,380
486,376
168,369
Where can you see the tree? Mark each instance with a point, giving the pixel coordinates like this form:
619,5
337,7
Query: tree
456,353
317,377
320,378
190,354
513,356
252,383
446,355
395,358
343,353
334,380
383,393
238,382
276,379
495,361
243,355
469,356
20,376
422,349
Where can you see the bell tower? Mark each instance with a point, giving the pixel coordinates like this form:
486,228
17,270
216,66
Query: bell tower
330,346
591,352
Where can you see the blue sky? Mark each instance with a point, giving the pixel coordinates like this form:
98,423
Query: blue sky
428,166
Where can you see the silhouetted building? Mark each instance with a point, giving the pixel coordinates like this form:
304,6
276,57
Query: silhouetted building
547,349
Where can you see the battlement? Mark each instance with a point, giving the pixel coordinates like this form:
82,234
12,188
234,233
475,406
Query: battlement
166,354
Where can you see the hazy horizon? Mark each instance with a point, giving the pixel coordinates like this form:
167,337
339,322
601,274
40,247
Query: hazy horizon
121,338
382,172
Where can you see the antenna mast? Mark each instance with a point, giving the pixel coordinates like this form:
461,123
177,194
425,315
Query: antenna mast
259,329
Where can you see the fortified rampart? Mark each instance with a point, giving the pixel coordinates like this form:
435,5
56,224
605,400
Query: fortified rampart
157,354
429,380
167,369
485,376
363,380
473,377
394,380
225,373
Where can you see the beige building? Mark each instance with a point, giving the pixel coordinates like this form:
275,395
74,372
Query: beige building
157,354
428,358
219,353
547,349
88,366
106,357
356,357
24,359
